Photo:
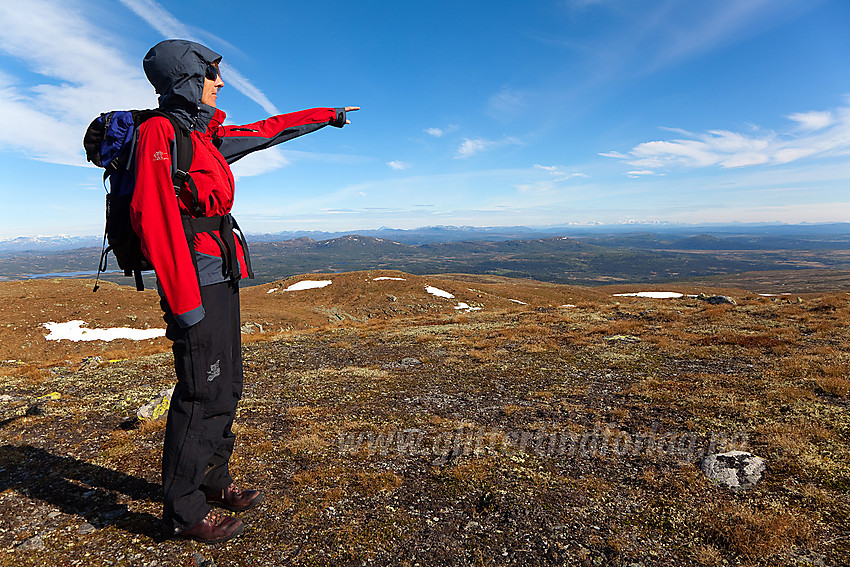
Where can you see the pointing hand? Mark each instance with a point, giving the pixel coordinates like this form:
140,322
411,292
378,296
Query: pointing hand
350,109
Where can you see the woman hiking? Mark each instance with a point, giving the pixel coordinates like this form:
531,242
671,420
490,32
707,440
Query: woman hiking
199,256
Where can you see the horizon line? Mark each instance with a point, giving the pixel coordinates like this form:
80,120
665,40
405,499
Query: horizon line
533,228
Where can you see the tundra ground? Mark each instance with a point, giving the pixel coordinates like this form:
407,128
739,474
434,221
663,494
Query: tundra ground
542,424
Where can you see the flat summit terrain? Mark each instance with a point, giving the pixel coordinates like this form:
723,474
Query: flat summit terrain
397,419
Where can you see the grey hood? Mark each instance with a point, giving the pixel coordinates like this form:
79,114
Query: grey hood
176,68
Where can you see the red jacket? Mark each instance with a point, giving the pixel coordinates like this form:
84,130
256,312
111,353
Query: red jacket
156,212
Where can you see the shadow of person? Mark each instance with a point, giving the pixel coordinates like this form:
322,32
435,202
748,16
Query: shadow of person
77,487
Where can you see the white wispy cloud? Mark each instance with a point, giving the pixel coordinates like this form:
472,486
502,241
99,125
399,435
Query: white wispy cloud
649,37
440,132
470,147
507,102
667,33
166,24
582,4
158,18
77,72
258,163
473,146
559,172
681,36
614,154
549,168
536,187
277,157
817,134
813,120
557,175
79,75
398,165
247,88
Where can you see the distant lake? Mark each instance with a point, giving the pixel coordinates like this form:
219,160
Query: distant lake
68,274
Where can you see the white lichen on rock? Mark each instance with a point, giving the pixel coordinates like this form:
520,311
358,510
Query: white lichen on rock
737,470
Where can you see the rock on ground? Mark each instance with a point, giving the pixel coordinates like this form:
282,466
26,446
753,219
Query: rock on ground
717,299
33,543
736,469
157,407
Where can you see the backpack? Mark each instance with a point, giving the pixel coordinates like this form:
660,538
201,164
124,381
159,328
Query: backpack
110,142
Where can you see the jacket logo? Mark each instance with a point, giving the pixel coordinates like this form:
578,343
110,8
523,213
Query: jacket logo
160,156
214,371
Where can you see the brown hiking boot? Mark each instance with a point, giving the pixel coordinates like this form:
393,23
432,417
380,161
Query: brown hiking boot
234,499
215,528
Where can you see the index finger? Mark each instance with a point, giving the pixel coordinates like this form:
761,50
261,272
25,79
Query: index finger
351,108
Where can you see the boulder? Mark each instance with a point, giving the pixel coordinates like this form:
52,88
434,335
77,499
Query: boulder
407,362
717,299
622,338
737,470
157,408
86,528
250,328
31,544
201,561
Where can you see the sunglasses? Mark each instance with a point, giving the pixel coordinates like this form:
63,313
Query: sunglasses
212,71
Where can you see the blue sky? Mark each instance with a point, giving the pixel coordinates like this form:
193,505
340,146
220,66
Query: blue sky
473,113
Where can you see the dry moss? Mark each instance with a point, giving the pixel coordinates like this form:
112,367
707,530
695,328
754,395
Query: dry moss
467,457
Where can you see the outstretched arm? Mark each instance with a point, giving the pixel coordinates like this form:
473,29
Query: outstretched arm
235,142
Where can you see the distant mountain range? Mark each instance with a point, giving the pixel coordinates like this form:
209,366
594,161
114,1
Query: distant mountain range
632,233
588,257
47,243
559,259
735,236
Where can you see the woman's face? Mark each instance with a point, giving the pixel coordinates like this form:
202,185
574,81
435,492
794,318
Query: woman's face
211,87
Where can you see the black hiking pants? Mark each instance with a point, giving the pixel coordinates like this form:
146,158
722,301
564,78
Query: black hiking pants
198,435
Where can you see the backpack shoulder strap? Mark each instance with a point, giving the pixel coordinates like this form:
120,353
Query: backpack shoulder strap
185,154
185,150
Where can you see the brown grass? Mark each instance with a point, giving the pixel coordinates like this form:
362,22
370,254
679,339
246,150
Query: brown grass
707,555
775,372
834,385
757,533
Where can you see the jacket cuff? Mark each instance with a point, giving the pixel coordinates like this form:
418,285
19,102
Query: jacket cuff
340,118
190,317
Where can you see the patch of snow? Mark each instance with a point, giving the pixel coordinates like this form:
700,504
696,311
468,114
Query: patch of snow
272,290
518,301
438,292
462,305
74,331
773,294
308,284
389,278
652,294
567,305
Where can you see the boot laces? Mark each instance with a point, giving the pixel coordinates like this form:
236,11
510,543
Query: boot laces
213,518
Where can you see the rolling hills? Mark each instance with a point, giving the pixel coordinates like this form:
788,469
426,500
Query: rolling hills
629,258
517,422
